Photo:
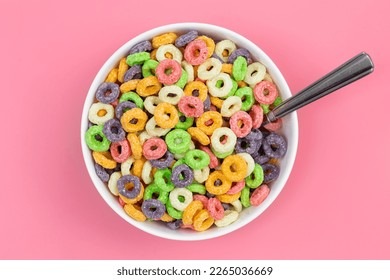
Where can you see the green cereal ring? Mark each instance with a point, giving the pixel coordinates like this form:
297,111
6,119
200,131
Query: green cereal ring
240,67
162,179
178,141
247,97
149,68
244,198
277,101
154,189
184,122
137,58
221,155
265,108
132,96
183,79
197,188
176,214
96,140
255,178
197,159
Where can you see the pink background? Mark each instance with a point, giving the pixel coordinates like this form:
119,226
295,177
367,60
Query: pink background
336,202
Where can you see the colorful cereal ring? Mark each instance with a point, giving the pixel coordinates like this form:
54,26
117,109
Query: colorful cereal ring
165,66
166,115
120,151
245,120
191,106
265,92
259,195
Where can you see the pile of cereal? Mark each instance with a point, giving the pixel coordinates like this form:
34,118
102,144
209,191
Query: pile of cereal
175,131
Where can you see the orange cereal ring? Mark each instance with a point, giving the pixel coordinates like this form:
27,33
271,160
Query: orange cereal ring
217,102
135,145
209,43
135,199
229,198
166,115
196,86
203,220
129,86
104,159
198,135
112,77
209,121
234,167
137,167
148,86
242,84
135,212
153,54
227,68
122,68
166,218
191,210
164,39
134,120
217,183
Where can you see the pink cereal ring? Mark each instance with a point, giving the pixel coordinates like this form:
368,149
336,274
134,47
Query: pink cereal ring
154,148
171,66
215,208
259,195
213,159
202,199
257,115
265,92
196,52
236,187
121,202
120,151
191,106
213,108
187,226
241,123
273,126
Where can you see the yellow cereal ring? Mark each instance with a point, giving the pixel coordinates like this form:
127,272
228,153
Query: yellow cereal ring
129,86
213,186
242,84
166,218
217,102
134,114
135,145
199,86
196,71
209,43
209,121
166,115
191,210
153,54
133,200
198,135
122,68
112,77
134,211
227,68
104,159
137,167
229,198
234,167
163,39
203,220
148,86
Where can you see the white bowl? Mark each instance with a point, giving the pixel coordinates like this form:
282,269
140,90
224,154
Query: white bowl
289,130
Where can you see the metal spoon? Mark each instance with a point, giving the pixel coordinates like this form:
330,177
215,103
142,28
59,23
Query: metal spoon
352,70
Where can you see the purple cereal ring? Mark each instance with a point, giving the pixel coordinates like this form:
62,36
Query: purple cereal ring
175,224
164,162
123,107
134,192
249,144
207,104
144,46
274,146
182,176
217,57
113,130
135,72
107,92
184,39
240,52
261,159
271,172
102,173
153,208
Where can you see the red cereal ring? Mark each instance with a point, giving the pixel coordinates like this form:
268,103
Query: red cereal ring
196,52
265,92
215,208
236,187
213,159
191,106
202,199
259,195
257,115
120,151
121,202
154,148
273,126
241,123
170,66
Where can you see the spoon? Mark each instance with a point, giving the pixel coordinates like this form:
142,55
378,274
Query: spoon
350,71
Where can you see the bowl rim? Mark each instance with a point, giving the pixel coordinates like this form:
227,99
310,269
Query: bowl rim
114,59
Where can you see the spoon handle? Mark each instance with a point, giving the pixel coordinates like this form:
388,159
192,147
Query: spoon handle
352,70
